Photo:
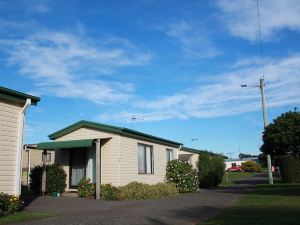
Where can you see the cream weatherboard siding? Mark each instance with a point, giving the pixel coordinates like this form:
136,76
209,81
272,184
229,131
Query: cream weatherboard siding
129,161
109,153
9,124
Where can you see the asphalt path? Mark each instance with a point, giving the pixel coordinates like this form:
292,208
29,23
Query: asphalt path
182,209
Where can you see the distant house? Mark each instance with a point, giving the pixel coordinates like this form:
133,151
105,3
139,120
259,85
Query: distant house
238,162
13,106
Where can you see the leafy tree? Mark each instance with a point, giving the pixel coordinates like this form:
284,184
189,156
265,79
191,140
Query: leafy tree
243,155
282,137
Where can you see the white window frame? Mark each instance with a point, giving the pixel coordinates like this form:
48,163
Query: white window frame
169,153
148,159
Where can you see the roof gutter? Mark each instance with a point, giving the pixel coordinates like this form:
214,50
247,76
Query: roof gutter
20,145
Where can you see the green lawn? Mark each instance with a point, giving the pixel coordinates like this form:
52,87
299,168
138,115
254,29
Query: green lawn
234,176
23,216
276,205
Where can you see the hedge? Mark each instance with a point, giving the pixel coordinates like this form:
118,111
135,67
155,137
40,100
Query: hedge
210,170
137,191
289,169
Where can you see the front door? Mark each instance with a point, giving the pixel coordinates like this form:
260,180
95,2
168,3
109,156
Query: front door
78,165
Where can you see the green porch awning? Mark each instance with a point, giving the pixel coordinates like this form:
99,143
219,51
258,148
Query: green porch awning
65,144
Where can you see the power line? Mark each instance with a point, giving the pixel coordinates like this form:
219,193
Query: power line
260,39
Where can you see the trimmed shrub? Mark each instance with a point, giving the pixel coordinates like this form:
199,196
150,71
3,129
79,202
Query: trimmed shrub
109,192
136,190
36,179
289,169
55,179
165,189
210,170
86,188
219,169
183,176
10,204
205,171
251,166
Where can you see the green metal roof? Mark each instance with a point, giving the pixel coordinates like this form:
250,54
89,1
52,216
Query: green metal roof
196,151
66,144
112,129
17,96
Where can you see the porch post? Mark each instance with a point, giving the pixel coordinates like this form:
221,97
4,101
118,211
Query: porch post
28,168
44,171
98,168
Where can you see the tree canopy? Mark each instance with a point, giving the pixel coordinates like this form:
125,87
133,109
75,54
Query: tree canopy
245,155
282,137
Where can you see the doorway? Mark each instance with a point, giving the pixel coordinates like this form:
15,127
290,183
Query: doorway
77,165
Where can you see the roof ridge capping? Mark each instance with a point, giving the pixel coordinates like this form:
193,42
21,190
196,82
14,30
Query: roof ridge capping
17,96
111,129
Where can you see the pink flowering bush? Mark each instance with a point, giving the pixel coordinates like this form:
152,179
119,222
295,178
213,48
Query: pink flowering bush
183,176
86,188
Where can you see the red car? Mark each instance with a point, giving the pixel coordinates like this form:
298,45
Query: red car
234,169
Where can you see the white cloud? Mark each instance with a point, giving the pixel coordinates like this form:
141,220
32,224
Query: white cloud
240,17
193,39
224,96
69,65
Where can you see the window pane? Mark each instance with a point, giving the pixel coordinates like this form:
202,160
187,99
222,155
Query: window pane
141,159
149,159
48,159
171,154
168,155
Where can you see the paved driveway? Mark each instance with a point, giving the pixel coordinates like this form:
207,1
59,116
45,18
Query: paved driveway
183,209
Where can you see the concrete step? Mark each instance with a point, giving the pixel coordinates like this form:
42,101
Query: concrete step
70,194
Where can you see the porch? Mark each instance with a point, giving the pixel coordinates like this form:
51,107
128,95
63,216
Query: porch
79,158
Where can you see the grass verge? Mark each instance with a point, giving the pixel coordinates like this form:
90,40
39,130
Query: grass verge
278,204
235,176
24,216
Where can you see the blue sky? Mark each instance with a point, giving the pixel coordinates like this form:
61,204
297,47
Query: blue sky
176,66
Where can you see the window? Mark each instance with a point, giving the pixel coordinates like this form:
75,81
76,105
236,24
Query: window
169,155
48,157
233,164
145,159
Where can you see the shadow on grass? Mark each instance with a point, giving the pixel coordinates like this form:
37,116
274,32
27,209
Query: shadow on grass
257,216
277,189
193,215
